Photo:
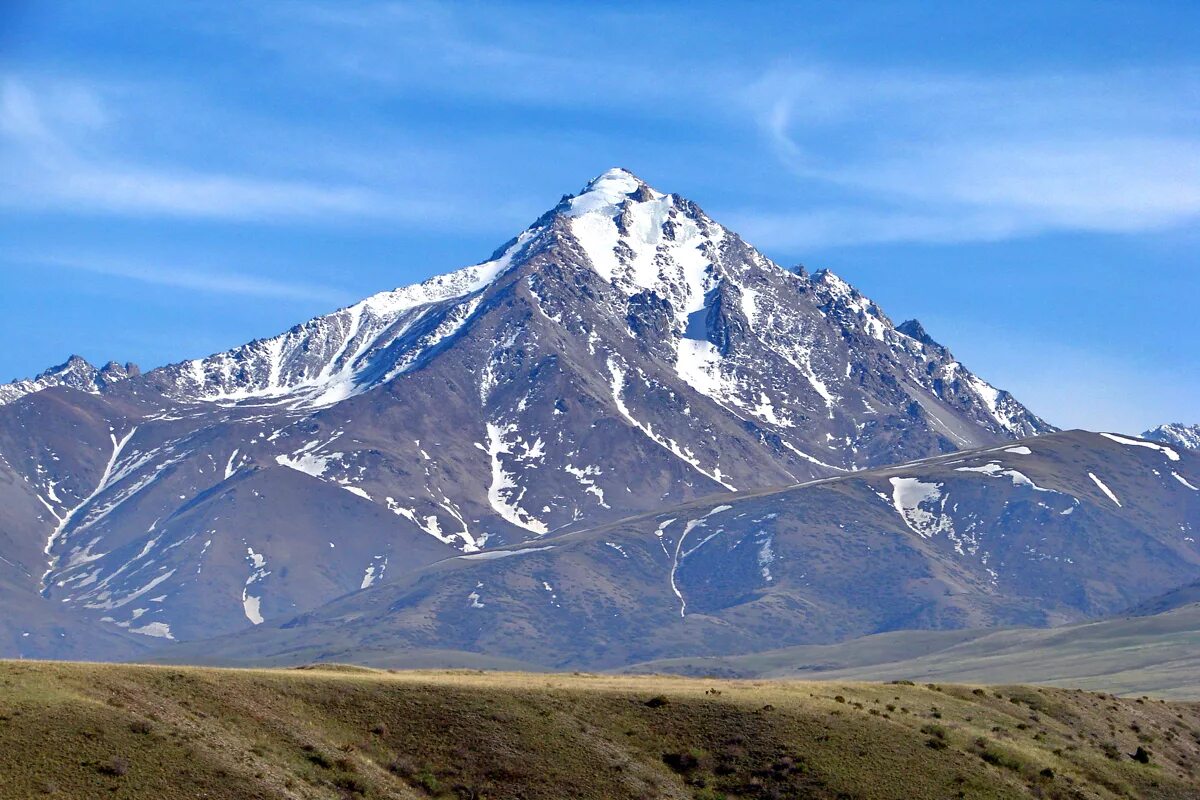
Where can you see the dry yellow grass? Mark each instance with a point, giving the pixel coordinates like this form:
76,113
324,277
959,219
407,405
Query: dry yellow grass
88,730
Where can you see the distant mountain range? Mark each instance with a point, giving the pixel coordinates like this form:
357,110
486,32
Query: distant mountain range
468,464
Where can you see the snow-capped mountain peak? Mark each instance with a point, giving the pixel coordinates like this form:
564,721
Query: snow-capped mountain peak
1176,433
634,237
663,257
623,352
609,190
637,238
337,356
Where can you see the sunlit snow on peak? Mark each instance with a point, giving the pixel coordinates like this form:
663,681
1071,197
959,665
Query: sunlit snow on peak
608,190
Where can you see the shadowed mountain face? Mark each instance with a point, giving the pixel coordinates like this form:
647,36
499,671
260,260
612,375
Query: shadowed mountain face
1054,529
623,354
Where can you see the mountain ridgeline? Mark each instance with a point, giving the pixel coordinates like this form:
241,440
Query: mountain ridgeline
624,355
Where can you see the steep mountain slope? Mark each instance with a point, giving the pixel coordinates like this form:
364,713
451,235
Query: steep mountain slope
1055,529
1176,433
624,352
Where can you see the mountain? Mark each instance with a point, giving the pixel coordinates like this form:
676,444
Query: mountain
1052,530
76,373
1176,433
623,353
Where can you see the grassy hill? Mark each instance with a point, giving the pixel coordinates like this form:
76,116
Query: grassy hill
86,731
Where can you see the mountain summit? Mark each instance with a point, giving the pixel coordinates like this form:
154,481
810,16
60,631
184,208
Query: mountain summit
651,253
624,352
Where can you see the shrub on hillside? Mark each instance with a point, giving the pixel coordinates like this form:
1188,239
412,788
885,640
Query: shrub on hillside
351,784
936,731
682,762
115,766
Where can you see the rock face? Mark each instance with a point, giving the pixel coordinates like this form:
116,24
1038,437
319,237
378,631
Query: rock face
624,353
1176,433
1059,528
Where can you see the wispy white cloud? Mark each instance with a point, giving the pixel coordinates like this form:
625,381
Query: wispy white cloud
879,155
947,158
51,160
123,189
568,59
191,278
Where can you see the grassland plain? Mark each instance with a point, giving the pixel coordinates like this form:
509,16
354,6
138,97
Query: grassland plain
87,730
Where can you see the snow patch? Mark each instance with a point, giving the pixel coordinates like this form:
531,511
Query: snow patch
995,470
374,572
908,497
618,548
1183,480
490,555
503,493
1104,488
766,555
1166,451
160,630
251,604
229,467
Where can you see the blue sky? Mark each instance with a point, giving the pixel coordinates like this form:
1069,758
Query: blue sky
176,179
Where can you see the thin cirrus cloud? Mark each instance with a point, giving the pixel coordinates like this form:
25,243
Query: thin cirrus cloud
523,57
130,190
878,156
52,162
951,159
895,156
189,278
